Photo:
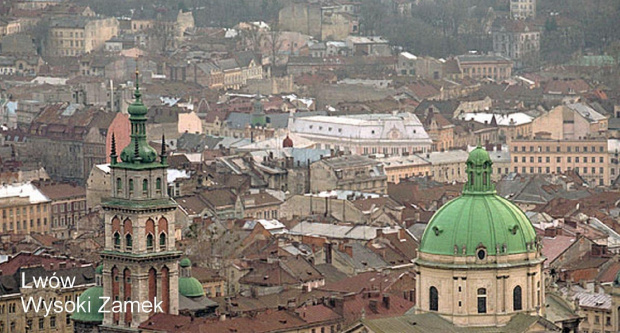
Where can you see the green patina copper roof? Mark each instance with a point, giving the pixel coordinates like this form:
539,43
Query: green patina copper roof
138,154
99,270
185,262
190,287
479,218
92,296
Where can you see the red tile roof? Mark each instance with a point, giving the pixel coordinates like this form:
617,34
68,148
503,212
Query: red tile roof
25,259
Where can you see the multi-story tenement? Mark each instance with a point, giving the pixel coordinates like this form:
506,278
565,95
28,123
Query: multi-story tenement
13,316
394,134
425,67
70,139
447,166
521,9
515,39
76,35
25,209
485,66
230,73
402,167
571,122
68,206
588,157
348,172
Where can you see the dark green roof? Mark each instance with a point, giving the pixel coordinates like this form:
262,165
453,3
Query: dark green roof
479,218
185,262
92,297
190,287
99,270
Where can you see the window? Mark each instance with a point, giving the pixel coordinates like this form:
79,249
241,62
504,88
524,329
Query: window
162,241
145,187
41,323
119,186
149,242
53,322
434,299
117,241
516,299
130,186
482,300
128,242
158,184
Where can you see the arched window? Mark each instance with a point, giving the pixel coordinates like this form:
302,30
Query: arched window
517,303
162,241
128,242
149,242
145,187
434,299
482,300
130,186
117,241
158,184
119,186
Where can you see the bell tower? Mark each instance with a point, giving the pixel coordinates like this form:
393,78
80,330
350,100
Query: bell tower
140,261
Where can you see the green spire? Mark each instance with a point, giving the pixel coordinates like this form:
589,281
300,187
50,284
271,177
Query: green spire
479,170
138,151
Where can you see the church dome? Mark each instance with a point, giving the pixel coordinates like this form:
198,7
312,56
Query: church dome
190,287
93,298
287,143
479,222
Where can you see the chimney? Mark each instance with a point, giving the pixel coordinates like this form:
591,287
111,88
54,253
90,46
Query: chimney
551,232
597,287
386,301
338,305
348,249
372,304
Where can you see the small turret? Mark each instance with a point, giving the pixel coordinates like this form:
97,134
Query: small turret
113,155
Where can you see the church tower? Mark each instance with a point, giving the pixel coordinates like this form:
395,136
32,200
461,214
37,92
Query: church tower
479,261
140,261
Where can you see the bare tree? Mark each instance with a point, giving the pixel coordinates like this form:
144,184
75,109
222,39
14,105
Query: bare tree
274,41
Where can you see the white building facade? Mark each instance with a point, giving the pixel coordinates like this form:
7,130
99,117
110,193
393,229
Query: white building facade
389,134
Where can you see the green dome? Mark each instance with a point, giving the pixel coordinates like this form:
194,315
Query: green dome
190,287
473,220
185,262
146,153
137,109
479,218
478,156
99,270
93,296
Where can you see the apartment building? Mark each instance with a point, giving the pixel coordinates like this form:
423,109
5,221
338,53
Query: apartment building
68,202
485,66
25,209
398,168
588,157
521,9
74,36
